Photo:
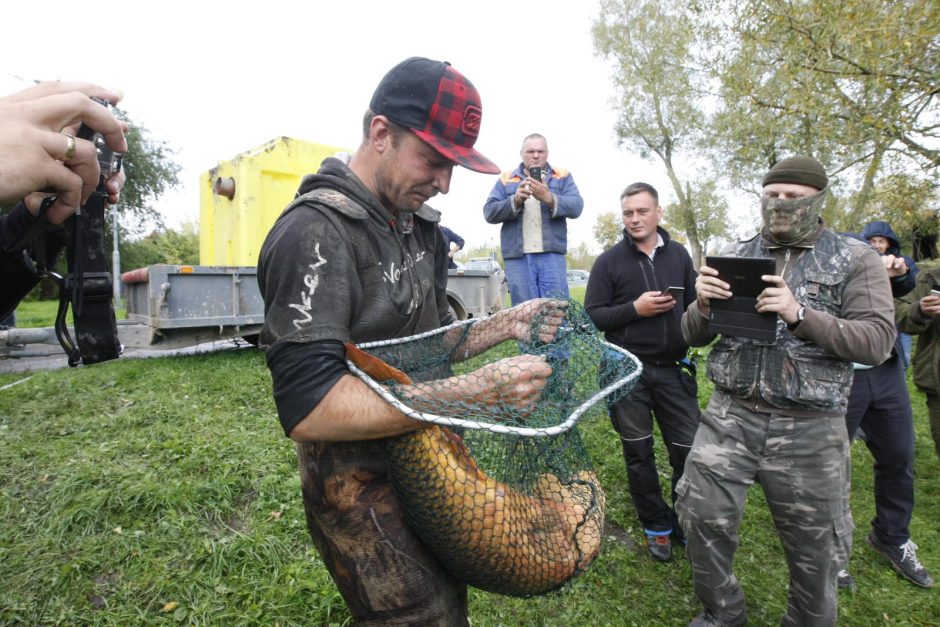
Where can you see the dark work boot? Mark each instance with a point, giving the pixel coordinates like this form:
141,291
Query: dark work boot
708,619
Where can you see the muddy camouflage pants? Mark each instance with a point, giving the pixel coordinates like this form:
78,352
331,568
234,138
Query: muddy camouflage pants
802,465
384,572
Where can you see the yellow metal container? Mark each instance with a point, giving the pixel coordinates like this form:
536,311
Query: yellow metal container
240,199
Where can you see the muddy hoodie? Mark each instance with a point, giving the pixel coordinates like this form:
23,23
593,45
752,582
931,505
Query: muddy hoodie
336,267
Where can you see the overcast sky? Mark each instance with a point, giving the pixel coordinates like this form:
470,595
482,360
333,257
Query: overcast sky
215,79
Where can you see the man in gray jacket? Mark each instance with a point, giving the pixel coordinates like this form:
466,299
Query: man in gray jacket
777,415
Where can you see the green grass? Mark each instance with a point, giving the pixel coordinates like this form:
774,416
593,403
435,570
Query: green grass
161,491
42,313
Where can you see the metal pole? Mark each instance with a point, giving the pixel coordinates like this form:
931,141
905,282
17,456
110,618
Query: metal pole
115,258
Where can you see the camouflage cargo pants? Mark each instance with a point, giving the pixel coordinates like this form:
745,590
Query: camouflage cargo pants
802,465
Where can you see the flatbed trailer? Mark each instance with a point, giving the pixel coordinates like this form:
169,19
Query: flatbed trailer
171,307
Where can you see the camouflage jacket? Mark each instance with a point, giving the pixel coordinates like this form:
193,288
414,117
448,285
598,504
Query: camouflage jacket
849,310
910,319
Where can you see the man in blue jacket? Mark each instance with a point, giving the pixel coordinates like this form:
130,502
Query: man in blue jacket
534,211
880,406
627,299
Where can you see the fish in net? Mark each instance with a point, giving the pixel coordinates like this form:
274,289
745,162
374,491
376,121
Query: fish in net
503,492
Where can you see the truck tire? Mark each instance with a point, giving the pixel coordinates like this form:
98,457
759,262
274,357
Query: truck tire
456,309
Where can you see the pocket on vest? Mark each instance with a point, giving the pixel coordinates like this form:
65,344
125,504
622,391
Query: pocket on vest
817,383
729,367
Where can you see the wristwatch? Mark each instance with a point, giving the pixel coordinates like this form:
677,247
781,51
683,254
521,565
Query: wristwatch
800,316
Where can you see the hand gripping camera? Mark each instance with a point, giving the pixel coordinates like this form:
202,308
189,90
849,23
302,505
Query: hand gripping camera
88,285
109,160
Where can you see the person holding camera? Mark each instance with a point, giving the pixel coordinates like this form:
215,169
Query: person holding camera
534,203
636,294
40,157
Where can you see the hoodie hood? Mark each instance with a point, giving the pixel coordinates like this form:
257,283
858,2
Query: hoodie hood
883,229
355,200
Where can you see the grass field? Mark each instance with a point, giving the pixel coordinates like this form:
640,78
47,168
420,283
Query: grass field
35,313
162,491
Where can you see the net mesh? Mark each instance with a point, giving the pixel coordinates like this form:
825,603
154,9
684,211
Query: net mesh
500,485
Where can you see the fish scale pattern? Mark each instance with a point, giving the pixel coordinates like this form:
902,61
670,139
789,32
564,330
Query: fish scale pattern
509,512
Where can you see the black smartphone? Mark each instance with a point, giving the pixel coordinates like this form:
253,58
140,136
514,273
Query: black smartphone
536,173
673,291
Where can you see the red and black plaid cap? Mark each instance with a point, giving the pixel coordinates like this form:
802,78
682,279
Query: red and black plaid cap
439,105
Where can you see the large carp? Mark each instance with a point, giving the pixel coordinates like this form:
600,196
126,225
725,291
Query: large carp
486,533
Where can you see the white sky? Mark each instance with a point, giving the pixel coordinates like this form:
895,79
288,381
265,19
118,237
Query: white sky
213,79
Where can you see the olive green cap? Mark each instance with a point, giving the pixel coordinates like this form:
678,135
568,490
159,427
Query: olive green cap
798,170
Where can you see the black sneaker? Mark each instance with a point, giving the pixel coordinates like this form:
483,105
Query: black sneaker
845,581
659,547
904,560
708,619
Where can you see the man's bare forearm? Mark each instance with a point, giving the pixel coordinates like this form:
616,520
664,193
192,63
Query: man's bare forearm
352,411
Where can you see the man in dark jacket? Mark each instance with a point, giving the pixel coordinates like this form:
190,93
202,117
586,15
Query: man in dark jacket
358,257
777,416
452,244
880,406
627,298
901,269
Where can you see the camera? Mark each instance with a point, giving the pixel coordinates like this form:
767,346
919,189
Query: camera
536,173
109,160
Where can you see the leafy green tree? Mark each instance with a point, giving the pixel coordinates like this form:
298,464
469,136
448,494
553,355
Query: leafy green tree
658,52
608,229
852,82
709,217
580,257
150,171
906,202
162,246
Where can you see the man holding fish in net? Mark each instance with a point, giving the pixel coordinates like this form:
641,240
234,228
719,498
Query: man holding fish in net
358,257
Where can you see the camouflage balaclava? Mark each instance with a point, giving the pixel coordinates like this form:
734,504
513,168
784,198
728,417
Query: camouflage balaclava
790,221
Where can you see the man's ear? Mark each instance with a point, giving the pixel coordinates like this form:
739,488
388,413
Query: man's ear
380,133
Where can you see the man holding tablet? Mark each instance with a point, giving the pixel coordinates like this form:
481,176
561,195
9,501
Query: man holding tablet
777,415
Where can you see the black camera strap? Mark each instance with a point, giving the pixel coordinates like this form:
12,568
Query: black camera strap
88,288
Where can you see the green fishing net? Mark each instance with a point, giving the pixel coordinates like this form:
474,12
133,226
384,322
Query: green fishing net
500,485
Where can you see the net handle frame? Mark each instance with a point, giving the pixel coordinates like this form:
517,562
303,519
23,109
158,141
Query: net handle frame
466,423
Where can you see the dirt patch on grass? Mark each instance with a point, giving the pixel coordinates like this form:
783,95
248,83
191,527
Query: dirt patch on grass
618,533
